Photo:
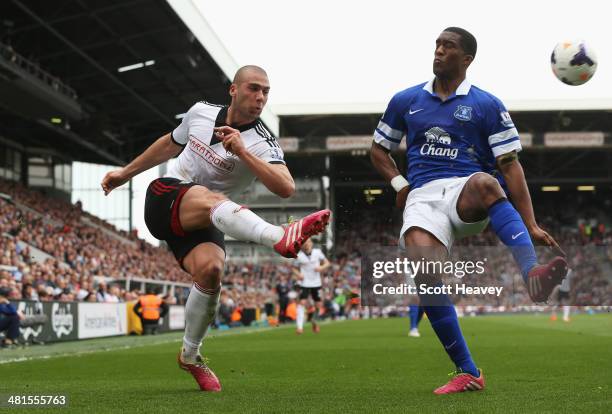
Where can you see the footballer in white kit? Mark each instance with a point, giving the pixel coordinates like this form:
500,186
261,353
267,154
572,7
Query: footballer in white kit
220,150
311,262
205,161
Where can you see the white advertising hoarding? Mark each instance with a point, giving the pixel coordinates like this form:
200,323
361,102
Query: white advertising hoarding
102,319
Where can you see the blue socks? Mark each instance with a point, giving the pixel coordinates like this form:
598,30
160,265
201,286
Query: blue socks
509,227
441,313
415,313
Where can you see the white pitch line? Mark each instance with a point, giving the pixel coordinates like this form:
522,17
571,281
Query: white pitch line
108,348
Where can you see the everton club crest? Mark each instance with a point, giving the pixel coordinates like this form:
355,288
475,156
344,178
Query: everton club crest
463,113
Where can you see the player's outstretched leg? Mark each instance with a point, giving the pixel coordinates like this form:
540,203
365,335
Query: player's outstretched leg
509,227
483,192
296,233
242,224
200,208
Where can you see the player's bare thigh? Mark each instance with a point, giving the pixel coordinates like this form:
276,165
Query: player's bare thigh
205,264
479,192
421,244
194,212
419,239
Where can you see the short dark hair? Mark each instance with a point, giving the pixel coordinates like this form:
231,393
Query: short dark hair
468,41
240,72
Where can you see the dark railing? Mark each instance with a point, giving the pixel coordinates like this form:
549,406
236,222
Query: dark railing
10,56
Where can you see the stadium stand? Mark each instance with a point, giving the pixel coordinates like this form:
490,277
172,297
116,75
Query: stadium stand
86,259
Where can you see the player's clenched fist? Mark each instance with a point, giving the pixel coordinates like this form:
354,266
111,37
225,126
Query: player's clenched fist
113,180
232,141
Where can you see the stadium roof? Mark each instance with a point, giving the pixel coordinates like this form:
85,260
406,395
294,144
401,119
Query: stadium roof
110,115
81,46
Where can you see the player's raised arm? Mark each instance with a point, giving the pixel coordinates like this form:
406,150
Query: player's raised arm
268,168
160,151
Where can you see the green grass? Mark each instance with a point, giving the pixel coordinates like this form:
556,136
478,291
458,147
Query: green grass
530,363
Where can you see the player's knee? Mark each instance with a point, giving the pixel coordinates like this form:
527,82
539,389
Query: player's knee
487,186
215,198
209,274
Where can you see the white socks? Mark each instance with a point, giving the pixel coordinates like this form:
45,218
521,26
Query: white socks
300,316
200,312
242,224
566,312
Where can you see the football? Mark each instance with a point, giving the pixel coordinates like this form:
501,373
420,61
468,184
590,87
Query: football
573,62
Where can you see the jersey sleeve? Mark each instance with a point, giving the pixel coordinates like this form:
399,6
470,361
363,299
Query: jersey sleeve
269,150
501,133
391,127
180,134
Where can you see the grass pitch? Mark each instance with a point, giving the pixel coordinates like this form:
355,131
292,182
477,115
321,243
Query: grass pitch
530,363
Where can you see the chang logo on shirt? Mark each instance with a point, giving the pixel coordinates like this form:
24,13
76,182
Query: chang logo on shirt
435,137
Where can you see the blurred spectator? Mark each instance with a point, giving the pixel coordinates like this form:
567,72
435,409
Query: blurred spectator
78,249
282,290
10,319
150,308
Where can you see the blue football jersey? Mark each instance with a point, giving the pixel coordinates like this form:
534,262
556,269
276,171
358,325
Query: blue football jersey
454,138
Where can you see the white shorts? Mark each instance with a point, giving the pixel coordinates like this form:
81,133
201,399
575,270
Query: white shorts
433,207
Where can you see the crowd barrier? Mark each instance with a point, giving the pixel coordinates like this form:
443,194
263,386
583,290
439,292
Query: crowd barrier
68,321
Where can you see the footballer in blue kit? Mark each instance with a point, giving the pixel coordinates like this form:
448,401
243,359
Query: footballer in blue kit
462,165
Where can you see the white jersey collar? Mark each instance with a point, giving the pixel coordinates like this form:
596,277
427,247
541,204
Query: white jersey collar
462,89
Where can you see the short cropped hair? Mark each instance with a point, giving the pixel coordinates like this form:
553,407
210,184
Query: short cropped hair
468,41
240,72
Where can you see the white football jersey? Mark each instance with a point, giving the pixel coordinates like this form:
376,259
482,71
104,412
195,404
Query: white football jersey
307,264
204,161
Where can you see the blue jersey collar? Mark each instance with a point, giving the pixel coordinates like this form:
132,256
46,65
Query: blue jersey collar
463,89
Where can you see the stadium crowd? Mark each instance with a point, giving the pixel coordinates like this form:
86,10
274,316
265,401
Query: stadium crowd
80,248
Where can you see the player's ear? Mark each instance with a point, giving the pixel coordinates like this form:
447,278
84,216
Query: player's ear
232,90
467,59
